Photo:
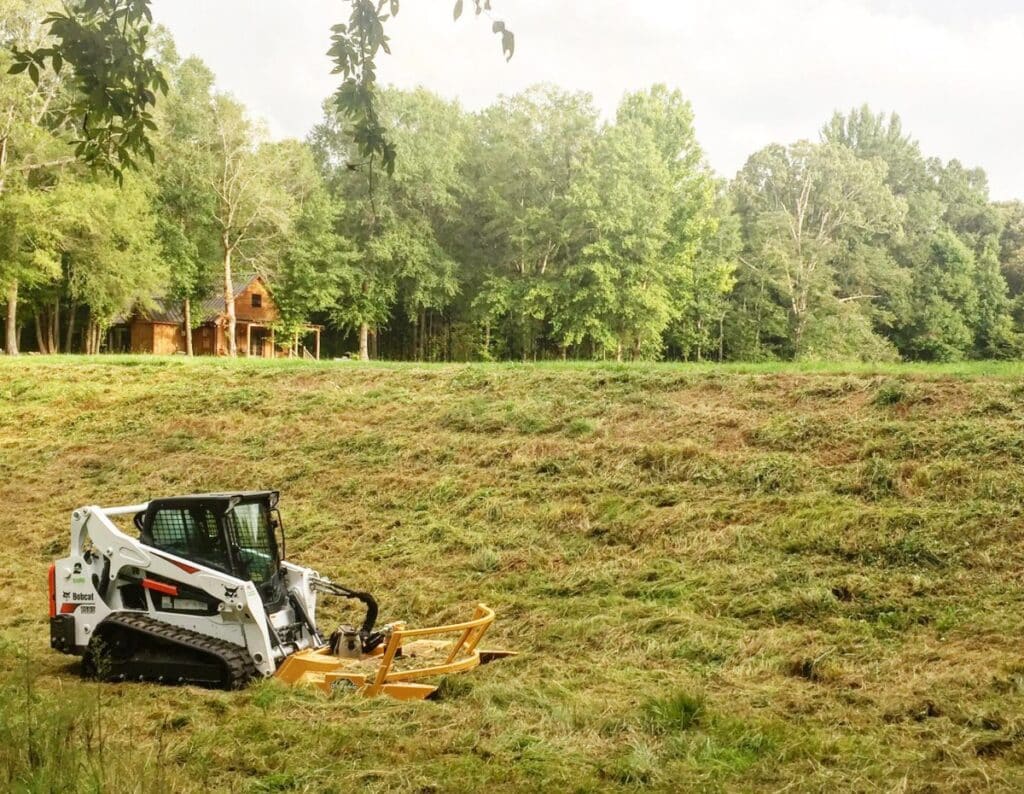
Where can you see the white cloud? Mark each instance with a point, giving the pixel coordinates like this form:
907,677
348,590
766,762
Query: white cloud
756,72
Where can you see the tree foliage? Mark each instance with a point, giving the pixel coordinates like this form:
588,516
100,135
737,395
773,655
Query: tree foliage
105,44
531,229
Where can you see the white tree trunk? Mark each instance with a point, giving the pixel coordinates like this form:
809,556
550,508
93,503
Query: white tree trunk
11,346
229,300
364,342
188,326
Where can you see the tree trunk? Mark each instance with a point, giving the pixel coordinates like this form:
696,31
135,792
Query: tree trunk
364,342
69,337
449,352
421,351
229,300
428,347
188,326
53,335
40,336
11,347
618,352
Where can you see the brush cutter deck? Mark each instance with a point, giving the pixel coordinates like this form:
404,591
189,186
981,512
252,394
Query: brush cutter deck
394,666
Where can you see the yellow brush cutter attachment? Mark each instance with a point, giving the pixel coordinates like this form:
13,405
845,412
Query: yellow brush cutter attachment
396,665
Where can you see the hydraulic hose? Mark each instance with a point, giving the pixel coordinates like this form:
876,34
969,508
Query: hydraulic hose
370,640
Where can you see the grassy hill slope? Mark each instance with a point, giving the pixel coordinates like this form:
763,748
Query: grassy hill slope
749,579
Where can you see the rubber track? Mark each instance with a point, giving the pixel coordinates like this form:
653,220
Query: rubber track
235,659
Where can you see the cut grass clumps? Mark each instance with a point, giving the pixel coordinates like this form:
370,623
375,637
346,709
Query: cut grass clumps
945,478
637,766
678,712
798,605
620,521
791,433
735,578
895,392
486,416
776,474
878,479
486,561
666,461
580,427
453,687
820,669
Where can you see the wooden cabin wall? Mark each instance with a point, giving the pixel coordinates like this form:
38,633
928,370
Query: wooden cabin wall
266,313
167,339
204,339
141,336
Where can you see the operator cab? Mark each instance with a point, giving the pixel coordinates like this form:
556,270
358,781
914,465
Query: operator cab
230,532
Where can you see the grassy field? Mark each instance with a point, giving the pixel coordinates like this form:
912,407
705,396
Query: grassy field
749,578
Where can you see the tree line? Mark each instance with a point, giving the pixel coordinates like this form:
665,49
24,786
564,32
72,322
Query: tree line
532,229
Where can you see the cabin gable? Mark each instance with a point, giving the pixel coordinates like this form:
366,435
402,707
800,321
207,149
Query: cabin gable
255,304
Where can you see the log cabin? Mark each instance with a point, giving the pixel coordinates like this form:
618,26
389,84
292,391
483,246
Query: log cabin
160,330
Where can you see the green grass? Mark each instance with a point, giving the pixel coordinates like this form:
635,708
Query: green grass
750,577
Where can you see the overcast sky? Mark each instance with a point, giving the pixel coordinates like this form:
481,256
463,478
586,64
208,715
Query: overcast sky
757,72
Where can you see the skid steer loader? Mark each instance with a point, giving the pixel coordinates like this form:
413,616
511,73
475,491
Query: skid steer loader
205,596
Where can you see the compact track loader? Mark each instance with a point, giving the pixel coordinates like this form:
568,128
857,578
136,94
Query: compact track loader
204,596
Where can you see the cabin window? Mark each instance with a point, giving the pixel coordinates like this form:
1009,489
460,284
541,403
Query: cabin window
257,301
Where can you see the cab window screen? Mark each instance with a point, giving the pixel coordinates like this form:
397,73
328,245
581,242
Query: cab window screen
249,528
189,533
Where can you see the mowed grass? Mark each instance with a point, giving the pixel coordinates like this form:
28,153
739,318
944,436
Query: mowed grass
740,578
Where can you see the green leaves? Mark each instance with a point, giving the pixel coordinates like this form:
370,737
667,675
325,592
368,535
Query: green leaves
114,82
353,49
508,44
508,39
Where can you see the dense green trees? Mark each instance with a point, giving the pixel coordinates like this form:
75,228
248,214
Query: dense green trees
531,229
185,204
812,216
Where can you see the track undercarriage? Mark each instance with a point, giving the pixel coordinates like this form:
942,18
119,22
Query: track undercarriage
136,647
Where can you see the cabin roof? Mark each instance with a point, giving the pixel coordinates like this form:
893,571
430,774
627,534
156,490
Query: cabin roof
167,310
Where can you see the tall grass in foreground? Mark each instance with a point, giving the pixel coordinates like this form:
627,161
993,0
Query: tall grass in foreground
69,739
